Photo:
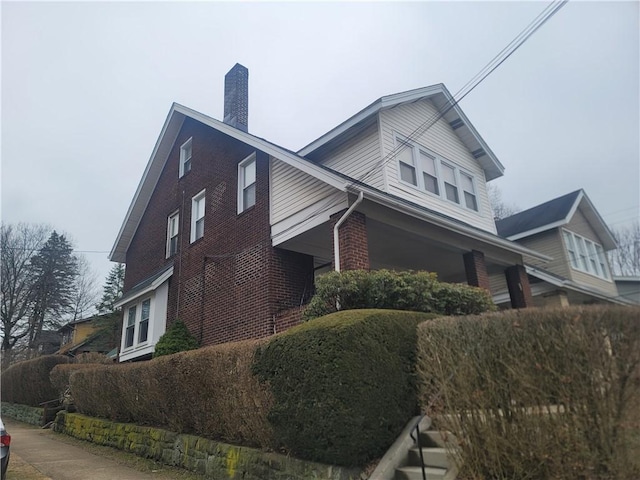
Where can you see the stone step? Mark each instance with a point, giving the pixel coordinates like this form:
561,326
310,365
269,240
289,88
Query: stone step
435,438
415,473
433,457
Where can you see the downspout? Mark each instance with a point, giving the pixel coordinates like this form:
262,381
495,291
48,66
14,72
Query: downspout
336,239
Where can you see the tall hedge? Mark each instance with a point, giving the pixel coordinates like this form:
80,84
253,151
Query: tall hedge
544,394
343,385
28,382
413,291
209,392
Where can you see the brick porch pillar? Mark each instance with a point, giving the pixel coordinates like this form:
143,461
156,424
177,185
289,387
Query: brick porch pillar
354,246
519,288
476,269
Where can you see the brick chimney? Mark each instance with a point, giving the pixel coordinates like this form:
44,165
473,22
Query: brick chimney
236,97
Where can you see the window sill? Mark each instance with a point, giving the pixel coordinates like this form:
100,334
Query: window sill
246,210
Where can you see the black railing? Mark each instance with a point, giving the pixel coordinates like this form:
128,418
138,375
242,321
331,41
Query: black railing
419,444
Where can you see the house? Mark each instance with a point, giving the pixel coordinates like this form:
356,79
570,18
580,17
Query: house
571,231
227,231
95,334
47,342
628,288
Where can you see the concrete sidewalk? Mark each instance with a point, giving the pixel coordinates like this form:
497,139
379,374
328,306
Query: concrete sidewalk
45,451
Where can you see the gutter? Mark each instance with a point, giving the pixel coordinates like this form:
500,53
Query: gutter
336,239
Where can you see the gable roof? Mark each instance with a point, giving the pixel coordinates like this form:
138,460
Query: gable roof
178,113
552,214
445,104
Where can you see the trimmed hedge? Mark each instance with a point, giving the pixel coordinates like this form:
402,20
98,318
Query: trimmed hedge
176,339
545,394
28,382
209,392
411,291
344,385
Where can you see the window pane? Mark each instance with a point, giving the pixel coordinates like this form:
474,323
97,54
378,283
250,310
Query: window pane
249,172
467,183
582,253
603,262
249,196
568,240
452,192
144,331
448,174
405,153
128,342
146,307
131,320
199,208
470,201
408,173
187,166
428,164
594,264
431,183
199,228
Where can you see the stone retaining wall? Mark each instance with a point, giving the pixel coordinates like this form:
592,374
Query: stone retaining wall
213,459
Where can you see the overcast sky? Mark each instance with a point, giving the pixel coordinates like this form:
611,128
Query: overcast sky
87,86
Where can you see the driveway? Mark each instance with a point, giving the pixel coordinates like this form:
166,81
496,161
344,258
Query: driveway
58,457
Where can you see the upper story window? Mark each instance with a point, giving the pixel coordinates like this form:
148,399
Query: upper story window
586,255
173,228
185,157
247,183
427,171
197,216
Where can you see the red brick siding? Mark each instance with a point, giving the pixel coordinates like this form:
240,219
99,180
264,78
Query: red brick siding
246,280
354,247
476,269
519,288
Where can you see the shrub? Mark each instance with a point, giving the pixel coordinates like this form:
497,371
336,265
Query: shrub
536,393
209,392
413,291
28,382
176,339
344,384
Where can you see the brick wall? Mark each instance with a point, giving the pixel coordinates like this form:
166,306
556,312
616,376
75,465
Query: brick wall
229,284
519,288
354,247
476,269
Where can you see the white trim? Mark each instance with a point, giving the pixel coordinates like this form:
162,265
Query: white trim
183,148
585,259
176,215
541,229
240,184
195,201
150,288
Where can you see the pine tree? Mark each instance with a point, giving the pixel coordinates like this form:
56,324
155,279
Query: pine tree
112,289
54,269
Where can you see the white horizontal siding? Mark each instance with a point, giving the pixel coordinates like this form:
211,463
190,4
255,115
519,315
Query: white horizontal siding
357,157
442,140
293,190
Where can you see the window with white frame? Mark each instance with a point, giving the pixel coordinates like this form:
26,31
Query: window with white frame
185,156
197,216
173,228
585,255
429,172
143,330
247,183
131,327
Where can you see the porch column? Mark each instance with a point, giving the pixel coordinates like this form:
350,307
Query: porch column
476,269
354,246
519,288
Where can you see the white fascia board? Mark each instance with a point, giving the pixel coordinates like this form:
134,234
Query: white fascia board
145,188
383,102
451,225
608,240
150,288
541,229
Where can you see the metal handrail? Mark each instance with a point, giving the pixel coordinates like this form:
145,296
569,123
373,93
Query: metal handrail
417,440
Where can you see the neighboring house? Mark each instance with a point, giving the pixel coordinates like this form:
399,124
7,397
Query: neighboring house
96,334
570,230
628,288
227,231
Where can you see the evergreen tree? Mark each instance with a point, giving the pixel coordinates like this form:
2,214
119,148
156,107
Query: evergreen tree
112,289
54,269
